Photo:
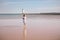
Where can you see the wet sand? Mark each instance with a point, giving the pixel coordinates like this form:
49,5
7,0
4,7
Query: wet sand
39,27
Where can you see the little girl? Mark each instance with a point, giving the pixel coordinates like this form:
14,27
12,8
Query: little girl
24,19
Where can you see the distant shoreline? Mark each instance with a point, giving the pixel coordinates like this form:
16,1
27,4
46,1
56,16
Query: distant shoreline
30,14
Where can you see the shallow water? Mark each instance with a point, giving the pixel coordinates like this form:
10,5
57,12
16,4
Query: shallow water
39,27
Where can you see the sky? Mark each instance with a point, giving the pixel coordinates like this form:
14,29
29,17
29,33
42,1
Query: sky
29,6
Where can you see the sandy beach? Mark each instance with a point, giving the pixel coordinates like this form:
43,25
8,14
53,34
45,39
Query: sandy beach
39,27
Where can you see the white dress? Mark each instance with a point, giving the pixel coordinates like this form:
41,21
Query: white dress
24,20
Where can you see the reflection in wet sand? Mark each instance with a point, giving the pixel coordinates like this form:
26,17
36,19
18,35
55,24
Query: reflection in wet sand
39,27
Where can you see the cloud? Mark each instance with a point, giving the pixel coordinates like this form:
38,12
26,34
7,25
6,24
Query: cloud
46,9
33,10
